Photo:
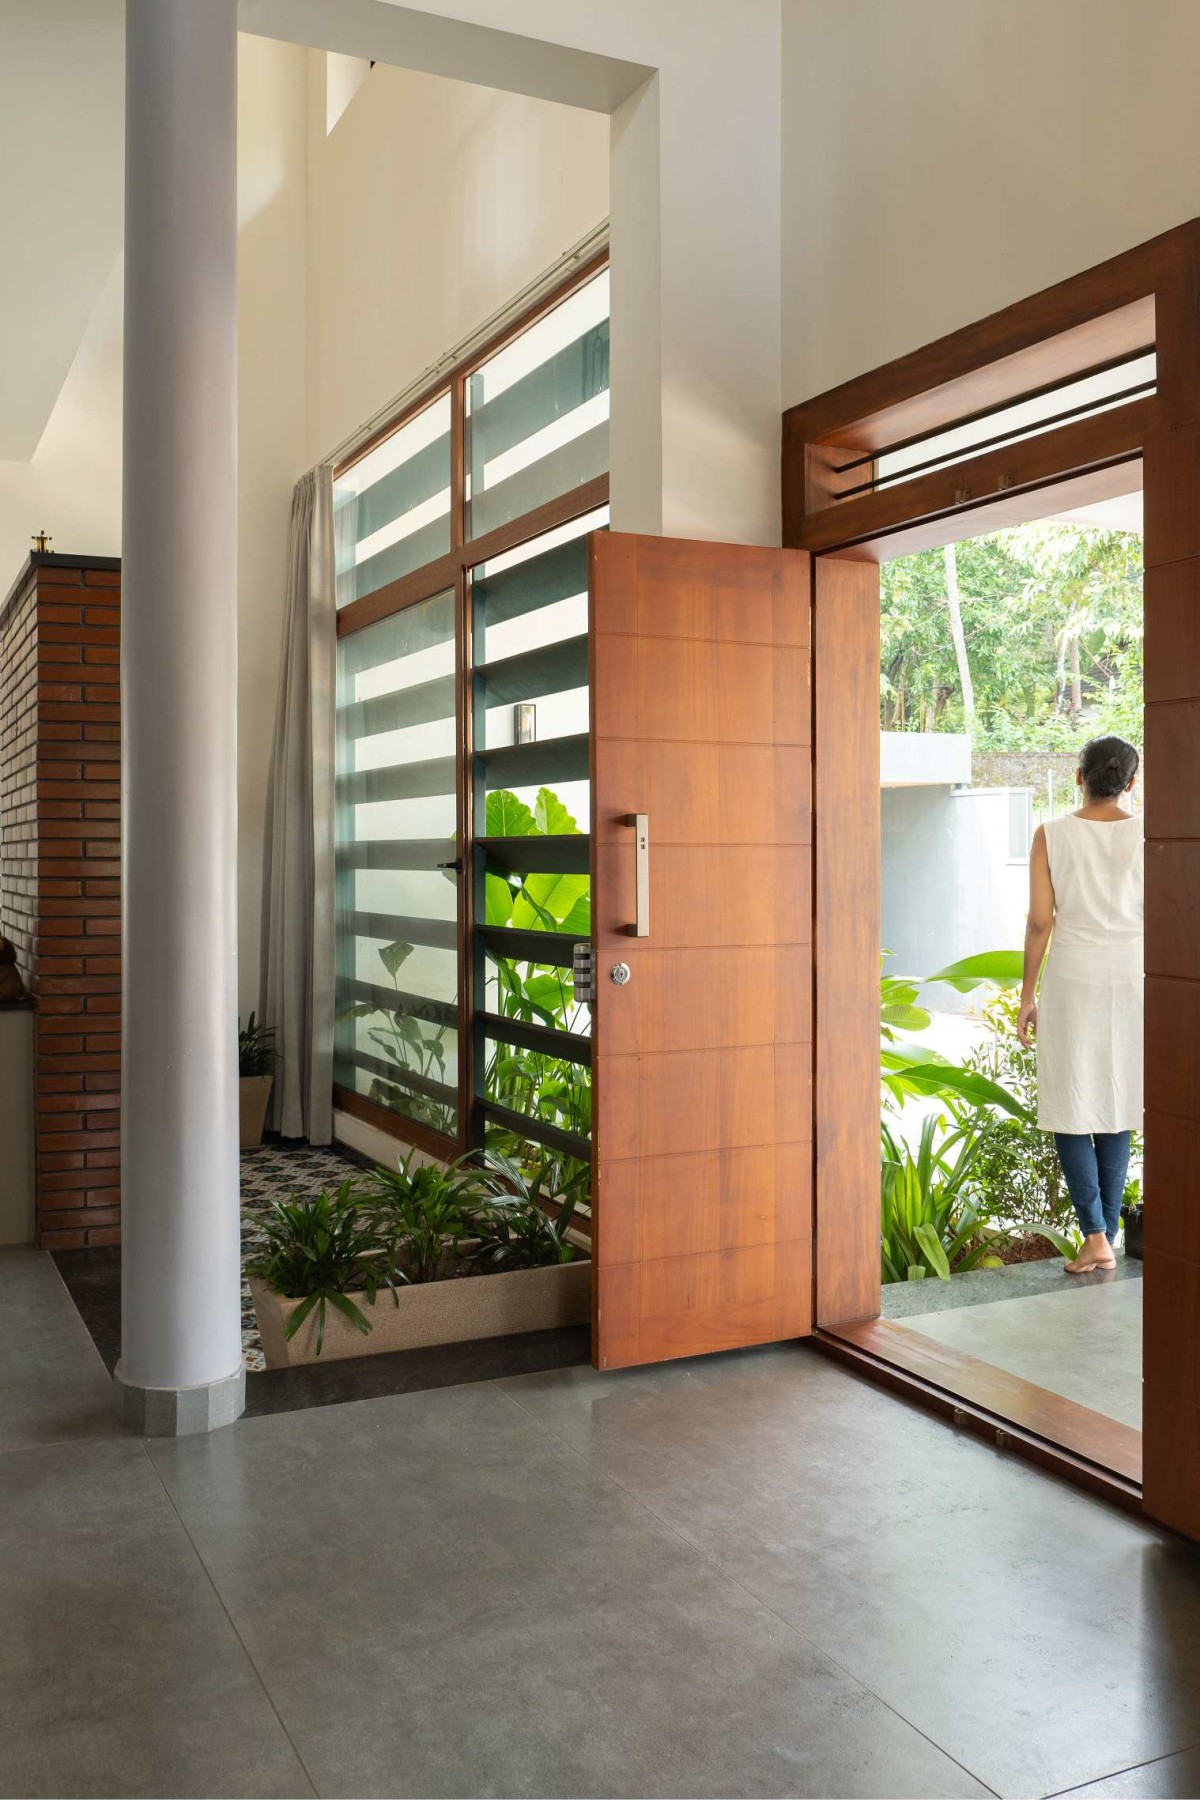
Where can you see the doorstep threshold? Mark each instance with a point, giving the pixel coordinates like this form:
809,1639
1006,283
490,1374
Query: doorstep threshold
1093,1451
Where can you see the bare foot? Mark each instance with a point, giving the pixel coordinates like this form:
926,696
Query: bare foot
1095,1255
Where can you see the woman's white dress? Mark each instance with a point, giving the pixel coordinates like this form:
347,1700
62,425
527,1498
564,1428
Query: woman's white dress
1089,1026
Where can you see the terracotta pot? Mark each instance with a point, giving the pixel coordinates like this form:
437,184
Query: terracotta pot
254,1097
434,1312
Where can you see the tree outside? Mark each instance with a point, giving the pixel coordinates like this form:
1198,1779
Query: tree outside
1030,639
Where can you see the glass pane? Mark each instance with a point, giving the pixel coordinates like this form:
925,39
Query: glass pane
1088,394
536,993
531,688
391,509
397,909
537,412
548,1088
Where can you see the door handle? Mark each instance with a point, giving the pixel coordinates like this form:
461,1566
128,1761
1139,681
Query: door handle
641,868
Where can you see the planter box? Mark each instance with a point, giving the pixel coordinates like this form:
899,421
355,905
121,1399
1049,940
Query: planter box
433,1312
254,1094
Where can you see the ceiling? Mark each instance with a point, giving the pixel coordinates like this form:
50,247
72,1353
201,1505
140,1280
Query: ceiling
61,137
1123,513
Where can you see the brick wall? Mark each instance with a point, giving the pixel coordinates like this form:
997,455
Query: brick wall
18,758
74,817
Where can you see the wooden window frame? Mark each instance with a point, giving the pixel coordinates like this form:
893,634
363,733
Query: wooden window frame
453,571
1051,337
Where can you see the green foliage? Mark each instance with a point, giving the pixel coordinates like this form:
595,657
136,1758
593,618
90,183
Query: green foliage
514,1232
408,1225
1018,1163
998,968
1052,617
915,1070
314,1250
937,1211
421,1211
539,1085
910,1069
928,1224
415,1044
898,1010
256,1048
980,1157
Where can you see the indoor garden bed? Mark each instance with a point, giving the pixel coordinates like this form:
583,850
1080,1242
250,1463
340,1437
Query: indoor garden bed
411,1257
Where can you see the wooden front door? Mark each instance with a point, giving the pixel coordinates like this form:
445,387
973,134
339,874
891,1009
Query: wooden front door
702,887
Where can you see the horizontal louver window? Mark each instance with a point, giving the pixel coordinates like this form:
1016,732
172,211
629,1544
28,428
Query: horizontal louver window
537,413
397,929
391,509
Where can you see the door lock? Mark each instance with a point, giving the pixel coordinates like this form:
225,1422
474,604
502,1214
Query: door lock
619,974
583,972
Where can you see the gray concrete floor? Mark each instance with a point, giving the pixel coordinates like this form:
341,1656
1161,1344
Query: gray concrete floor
747,1575
979,1287
1083,1342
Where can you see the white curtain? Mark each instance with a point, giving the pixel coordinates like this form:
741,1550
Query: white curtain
296,988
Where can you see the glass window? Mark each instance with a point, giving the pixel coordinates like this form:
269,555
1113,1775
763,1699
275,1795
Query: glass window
1084,396
397,900
391,509
530,608
537,412
530,637
535,417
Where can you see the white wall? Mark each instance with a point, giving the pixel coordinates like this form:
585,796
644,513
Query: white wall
430,204
694,94
71,487
362,257
944,158
272,424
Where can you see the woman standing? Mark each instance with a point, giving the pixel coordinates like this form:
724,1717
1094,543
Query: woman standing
1085,887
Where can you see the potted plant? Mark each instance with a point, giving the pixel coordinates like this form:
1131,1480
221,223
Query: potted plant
463,1251
256,1065
322,1253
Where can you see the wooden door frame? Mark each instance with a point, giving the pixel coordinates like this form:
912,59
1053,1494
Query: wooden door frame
1148,296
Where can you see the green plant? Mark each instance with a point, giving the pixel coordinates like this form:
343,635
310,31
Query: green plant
1019,1163
934,1218
1052,617
422,1212
911,1069
256,1048
315,1249
412,1042
928,1223
537,1083
514,1231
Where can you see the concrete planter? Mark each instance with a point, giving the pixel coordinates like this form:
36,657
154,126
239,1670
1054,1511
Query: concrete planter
434,1312
254,1095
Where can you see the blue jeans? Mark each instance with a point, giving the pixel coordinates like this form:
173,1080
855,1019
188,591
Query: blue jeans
1095,1167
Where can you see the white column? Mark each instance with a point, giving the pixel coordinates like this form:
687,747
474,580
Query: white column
181,1354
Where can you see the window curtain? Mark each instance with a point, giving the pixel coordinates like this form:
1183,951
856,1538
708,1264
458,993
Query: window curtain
297,969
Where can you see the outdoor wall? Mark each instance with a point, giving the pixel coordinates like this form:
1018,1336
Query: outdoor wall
950,888
943,158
